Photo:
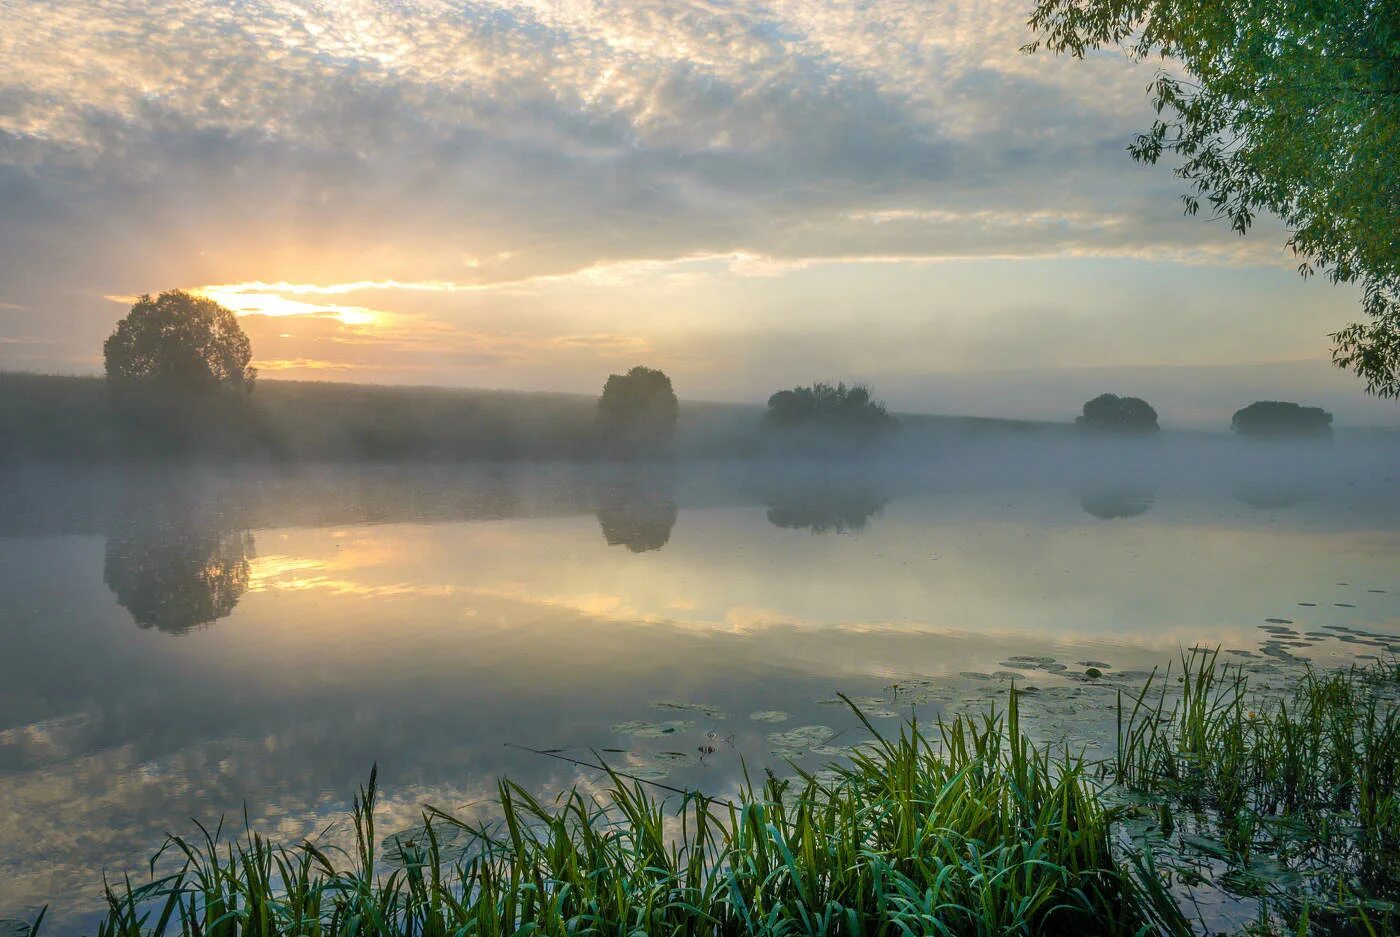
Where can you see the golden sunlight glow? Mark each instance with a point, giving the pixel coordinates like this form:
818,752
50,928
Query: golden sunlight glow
354,286
245,300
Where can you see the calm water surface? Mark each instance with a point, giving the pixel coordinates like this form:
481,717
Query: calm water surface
180,644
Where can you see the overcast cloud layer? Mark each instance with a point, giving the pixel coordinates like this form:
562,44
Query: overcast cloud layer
533,193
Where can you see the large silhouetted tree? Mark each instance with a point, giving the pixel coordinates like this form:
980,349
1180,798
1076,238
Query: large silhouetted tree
1284,106
1109,413
179,372
179,344
637,412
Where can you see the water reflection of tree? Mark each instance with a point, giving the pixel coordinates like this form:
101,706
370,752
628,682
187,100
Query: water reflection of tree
176,577
824,510
637,517
1111,503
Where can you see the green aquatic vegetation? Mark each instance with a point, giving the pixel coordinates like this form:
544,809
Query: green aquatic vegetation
970,829
1296,789
1282,797
799,741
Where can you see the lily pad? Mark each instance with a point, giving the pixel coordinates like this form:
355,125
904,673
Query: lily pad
802,738
770,715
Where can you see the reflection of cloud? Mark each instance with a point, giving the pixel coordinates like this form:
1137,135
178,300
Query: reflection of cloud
49,740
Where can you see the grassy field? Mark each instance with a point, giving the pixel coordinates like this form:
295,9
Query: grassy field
69,418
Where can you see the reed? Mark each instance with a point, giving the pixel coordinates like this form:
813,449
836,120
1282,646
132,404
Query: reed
969,829
1304,784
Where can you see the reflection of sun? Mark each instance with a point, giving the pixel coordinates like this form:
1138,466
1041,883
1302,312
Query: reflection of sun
267,569
246,302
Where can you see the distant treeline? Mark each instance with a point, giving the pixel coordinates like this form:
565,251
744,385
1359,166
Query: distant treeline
65,418
76,419
179,384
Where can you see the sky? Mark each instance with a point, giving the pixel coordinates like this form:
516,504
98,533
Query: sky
531,194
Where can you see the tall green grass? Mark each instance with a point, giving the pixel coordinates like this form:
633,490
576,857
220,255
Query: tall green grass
1302,787
968,830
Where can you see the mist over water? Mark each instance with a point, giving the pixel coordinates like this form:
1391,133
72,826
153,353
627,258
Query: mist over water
182,642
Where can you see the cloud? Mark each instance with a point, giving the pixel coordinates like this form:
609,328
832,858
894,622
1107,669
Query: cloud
527,192
306,364
550,136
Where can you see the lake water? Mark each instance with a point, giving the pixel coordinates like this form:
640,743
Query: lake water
180,644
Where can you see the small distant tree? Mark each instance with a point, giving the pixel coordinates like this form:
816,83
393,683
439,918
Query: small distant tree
179,344
1279,418
822,406
1109,413
637,412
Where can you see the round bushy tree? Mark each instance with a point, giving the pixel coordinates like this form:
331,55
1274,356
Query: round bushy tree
1279,418
637,412
179,343
1110,413
824,406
